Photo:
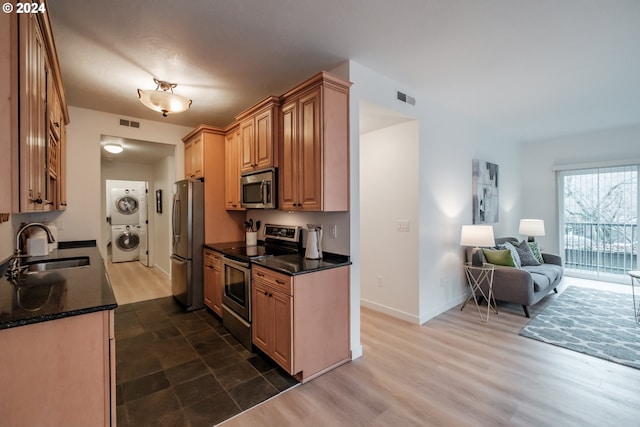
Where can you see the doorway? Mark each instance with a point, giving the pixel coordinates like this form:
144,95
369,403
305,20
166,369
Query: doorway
389,212
136,188
598,219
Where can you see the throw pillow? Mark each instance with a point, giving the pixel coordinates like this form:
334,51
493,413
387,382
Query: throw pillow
514,253
499,257
535,249
526,256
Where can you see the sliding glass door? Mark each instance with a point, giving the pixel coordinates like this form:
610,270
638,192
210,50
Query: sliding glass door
599,221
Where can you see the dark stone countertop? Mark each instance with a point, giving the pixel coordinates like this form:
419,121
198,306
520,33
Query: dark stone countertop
298,264
292,264
55,294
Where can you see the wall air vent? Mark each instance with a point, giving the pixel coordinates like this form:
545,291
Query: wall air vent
406,98
129,123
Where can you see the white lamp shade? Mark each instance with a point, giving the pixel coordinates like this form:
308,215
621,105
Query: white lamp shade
477,235
163,101
531,227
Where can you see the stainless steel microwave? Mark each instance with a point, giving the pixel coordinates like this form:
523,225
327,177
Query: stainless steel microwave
258,189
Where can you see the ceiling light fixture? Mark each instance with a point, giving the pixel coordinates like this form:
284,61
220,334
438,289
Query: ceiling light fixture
163,100
114,148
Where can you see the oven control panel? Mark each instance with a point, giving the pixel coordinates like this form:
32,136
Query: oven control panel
289,233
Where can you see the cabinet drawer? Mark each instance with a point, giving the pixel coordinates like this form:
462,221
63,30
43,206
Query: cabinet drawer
276,280
213,258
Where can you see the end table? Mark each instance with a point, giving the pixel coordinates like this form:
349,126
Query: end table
476,275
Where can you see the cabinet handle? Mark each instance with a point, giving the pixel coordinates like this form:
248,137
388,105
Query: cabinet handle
280,282
63,204
259,274
266,293
209,266
57,124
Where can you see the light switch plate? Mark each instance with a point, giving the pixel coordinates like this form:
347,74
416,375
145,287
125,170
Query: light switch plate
402,225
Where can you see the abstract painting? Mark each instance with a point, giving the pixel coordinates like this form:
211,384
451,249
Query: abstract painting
485,192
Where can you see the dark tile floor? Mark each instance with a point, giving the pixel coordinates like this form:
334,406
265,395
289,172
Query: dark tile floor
175,368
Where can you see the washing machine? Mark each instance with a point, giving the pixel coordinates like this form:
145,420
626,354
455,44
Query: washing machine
128,206
125,243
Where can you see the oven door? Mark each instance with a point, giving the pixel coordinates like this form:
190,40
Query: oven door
237,287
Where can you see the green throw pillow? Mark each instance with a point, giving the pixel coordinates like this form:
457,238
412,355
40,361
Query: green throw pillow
499,257
535,249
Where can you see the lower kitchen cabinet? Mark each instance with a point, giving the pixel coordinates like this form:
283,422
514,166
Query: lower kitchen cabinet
59,372
302,321
213,281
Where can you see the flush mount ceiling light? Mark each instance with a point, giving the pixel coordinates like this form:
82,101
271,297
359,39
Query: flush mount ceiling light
163,100
113,147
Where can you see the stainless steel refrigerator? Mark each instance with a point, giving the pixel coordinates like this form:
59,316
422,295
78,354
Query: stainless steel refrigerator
188,239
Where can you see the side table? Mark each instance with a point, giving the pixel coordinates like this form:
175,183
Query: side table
635,281
476,275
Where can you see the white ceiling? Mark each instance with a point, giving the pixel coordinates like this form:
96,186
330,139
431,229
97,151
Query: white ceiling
529,69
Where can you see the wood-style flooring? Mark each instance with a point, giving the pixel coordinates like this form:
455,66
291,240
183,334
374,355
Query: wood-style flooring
133,282
457,371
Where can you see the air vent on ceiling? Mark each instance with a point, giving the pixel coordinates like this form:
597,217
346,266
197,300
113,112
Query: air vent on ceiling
129,123
406,98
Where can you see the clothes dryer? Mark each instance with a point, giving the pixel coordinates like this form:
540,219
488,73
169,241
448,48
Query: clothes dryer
125,243
128,206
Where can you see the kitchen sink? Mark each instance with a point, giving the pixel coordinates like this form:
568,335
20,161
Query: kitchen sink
56,264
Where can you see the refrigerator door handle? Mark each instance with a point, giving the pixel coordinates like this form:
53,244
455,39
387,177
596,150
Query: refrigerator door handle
176,217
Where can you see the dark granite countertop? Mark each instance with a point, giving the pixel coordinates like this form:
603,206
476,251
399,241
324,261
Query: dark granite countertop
55,294
298,264
225,245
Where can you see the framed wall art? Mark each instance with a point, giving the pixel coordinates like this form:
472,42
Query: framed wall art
485,192
159,201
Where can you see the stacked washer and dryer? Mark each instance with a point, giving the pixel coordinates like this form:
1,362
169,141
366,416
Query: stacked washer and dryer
129,223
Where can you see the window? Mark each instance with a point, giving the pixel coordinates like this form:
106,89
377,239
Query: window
599,221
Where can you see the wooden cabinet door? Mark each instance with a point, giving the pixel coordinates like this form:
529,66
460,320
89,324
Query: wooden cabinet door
260,315
288,171
263,143
212,279
197,157
247,157
232,171
282,319
209,279
309,144
188,160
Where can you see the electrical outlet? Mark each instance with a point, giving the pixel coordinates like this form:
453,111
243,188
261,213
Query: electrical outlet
402,225
332,231
379,281
60,225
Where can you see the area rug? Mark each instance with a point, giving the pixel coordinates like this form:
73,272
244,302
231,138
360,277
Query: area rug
590,321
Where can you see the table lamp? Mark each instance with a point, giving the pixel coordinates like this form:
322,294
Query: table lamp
477,235
531,228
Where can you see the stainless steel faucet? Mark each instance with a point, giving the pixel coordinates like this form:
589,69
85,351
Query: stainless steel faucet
15,267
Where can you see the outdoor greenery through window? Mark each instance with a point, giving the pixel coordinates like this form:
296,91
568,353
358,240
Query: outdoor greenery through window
599,219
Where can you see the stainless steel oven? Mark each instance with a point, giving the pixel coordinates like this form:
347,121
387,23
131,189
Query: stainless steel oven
236,299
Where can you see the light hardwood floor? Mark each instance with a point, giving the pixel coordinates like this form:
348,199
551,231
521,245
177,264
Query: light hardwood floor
133,282
457,371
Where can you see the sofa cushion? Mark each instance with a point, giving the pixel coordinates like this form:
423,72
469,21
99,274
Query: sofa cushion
499,257
535,249
543,275
514,253
526,256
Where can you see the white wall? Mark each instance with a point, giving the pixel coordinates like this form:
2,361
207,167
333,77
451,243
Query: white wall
163,179
610,146
388,193
448,142
84,212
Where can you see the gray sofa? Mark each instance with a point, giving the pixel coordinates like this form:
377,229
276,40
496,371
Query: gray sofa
527,285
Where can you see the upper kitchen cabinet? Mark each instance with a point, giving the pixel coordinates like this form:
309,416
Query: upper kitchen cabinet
194,157
258,133
232,169
314,148
220,225
36,115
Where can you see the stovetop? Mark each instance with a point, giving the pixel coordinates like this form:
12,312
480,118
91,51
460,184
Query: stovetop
279,240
